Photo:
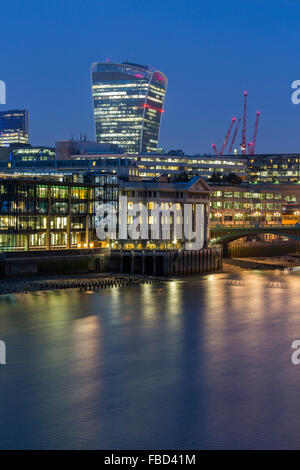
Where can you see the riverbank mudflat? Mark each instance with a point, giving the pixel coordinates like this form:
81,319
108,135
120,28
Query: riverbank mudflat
275,262
82,282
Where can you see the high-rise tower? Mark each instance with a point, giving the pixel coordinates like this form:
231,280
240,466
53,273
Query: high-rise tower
13,127
128,104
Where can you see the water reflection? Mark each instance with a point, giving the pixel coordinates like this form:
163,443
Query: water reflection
200,363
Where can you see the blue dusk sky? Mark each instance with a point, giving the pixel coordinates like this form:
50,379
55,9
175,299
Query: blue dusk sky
211,51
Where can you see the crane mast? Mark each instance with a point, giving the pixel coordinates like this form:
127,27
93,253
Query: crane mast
234,136
253,143
244,143
215,149
227,136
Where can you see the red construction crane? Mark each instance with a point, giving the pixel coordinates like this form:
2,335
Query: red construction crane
253,143
227,136
244,143
215,149
245,147
234,136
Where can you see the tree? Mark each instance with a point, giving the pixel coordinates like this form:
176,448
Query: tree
182,177
216,178
233,178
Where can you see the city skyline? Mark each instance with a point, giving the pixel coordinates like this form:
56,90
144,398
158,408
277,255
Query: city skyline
217,53
149,227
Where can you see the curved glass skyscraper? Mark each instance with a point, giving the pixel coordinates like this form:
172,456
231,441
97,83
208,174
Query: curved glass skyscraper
128,103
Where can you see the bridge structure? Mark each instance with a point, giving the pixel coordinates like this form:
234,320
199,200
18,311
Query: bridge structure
225,234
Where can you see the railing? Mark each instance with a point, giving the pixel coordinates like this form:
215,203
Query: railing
241,227
52,252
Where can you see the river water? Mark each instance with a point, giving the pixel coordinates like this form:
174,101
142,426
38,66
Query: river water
200,363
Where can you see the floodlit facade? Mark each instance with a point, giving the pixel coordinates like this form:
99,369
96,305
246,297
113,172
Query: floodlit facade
13,127
274,168
153,165
32,154
246,205
128,104
202,165
164,196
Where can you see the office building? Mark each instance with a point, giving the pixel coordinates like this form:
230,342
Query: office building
122,166
128,104
58,211
26,153
48,212
153,165
67,148
164,196
249,204
13,127
274,168
193,165
29,153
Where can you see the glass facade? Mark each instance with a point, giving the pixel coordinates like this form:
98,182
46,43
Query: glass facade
13,127
33,154
145,165
128,104
44,214
275,169
244,206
